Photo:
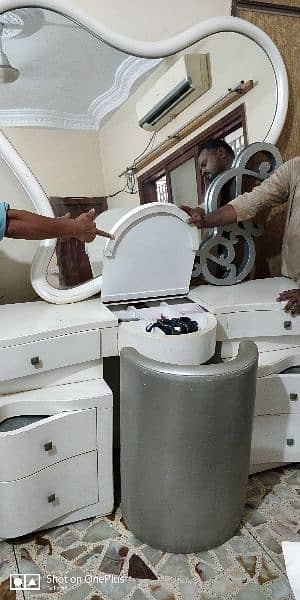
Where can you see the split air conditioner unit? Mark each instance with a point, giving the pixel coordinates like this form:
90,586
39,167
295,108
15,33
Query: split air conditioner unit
182,83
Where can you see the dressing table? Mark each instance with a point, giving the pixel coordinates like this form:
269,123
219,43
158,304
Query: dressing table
55,406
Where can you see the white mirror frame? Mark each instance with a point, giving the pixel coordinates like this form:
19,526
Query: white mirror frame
143,49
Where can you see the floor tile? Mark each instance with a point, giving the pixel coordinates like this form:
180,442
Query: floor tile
8,566
99,559
273,515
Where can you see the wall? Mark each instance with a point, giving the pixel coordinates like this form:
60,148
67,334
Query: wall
232,58
283,26
151,21
66,162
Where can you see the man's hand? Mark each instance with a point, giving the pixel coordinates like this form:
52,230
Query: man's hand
84,227
293,298
25,225
196,216
225,215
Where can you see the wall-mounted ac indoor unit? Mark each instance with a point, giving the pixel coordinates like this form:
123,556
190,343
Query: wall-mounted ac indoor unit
180,85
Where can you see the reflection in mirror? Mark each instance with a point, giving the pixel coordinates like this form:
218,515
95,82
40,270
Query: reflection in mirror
15,255
72,116
69,84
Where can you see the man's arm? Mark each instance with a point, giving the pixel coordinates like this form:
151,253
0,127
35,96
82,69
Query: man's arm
271,192
223,216
21,224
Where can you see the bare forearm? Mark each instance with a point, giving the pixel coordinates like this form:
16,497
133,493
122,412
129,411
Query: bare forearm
223,216
25,225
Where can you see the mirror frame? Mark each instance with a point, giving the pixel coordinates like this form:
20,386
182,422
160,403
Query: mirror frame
143,49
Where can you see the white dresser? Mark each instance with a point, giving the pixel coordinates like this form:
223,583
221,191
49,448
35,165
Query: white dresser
250,310
55,414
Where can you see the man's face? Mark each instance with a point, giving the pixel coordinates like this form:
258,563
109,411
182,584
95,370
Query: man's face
212,163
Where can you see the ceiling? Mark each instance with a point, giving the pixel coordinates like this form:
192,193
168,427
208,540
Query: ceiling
68,78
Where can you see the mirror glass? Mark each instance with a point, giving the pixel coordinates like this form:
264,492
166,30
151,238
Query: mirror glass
71,115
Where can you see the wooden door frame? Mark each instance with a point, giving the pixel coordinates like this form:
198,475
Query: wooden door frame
266,7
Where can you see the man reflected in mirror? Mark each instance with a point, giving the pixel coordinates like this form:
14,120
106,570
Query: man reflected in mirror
216,156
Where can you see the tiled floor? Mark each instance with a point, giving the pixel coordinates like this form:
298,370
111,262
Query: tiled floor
98,559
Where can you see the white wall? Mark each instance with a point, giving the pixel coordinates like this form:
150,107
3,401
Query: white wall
66,162
150,21
233,58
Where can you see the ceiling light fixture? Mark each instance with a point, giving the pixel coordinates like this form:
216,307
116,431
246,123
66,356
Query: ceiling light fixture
8,74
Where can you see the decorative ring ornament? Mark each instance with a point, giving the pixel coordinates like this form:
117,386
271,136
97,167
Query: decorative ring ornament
229,267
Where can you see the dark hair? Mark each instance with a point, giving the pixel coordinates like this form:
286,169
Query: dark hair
215,144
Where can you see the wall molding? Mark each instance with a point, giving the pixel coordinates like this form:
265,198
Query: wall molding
126,75
266,7
27,117
22,24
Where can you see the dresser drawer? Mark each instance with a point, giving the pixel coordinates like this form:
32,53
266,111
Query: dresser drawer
34,502
275,439
47,354
47,441
278,394
262,323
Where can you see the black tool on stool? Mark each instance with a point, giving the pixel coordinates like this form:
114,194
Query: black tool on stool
176,326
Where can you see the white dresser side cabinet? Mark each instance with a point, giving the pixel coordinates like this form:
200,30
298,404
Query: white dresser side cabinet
55,415
47,344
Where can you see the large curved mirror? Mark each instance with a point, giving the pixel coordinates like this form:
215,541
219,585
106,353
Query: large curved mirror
82,116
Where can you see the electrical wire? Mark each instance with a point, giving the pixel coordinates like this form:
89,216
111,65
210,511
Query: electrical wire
145,150
130,186
118,192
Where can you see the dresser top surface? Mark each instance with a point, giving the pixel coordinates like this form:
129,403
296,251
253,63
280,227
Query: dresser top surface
254,295
24,322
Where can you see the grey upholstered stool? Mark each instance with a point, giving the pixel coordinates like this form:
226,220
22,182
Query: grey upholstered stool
185,448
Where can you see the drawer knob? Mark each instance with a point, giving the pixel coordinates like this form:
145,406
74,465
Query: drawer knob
287,324
293,397
48,446
290,442
51,498
35,360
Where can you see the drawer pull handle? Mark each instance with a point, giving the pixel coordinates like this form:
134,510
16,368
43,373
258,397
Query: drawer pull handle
48,446
51,498
35,360
287,324
293,397
290,442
